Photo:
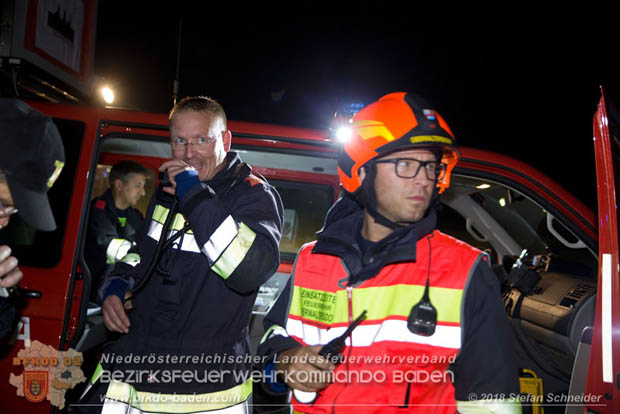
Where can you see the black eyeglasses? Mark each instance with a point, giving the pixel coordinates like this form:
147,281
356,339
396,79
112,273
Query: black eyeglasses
410,167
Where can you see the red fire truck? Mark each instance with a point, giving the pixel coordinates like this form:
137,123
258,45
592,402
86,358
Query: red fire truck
566,329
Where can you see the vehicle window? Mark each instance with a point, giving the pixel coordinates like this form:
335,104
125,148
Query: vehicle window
43,249
523,220
520,217
305,207
158,147
305,203
102,184
449,221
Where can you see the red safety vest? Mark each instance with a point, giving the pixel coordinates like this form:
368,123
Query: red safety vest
387,368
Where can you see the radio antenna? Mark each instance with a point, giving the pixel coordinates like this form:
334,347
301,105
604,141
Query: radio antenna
175,86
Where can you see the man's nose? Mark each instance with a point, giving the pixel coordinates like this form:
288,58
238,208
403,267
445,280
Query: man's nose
189,151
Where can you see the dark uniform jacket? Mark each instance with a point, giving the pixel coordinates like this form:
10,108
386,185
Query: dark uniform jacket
7,318
194,312
486,363
103,228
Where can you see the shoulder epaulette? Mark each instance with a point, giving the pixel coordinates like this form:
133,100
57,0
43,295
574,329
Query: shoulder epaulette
100,204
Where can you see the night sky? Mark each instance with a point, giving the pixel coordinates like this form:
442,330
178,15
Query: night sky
517,81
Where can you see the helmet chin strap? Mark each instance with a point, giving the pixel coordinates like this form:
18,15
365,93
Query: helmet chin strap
367,197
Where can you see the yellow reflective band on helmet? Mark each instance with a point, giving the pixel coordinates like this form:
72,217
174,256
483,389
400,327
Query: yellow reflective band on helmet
430,138
380,302
160,213
178,403
55,174
132,259
372,129
235,252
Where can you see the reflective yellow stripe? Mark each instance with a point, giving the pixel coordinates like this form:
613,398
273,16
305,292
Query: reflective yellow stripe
430,138
178,403
97,373
507,406
220,239
380,302
131,259
178,222
160,213
235,252
394,330
276,330
56,173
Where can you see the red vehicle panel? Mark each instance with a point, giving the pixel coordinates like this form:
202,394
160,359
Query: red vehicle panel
604,362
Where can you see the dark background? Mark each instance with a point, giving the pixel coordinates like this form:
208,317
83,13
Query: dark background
516,80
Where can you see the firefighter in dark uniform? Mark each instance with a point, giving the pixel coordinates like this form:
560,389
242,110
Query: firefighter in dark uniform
114,221
211,240
32,156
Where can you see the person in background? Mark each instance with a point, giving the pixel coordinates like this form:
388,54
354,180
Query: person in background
114,221
31,158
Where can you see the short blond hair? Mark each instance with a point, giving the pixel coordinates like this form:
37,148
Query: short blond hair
200,104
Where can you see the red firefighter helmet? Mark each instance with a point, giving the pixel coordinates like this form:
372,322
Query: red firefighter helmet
395,122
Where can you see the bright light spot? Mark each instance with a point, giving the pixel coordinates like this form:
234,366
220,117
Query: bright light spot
502,202
483,186
344,133
108,94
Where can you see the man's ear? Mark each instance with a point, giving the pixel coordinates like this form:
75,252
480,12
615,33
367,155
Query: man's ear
117,184
362,174
227,140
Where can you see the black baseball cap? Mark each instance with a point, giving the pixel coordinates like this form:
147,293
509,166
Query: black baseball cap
31,156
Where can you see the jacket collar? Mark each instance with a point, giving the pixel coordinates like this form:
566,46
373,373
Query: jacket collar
222,178
339,238
109,200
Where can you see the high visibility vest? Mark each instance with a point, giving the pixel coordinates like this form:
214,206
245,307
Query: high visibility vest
386,368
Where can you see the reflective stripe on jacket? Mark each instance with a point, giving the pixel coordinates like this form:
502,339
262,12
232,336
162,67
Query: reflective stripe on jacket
198,303
107,242
122,398
385,364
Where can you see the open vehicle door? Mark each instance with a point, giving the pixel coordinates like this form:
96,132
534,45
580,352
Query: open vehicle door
604,366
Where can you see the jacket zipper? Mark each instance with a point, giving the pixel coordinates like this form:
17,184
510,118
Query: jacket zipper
406,403
350,303
348,357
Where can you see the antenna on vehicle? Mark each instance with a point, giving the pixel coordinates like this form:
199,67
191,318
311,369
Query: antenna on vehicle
175,86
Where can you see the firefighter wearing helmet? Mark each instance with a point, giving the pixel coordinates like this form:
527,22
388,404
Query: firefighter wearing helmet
430,331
